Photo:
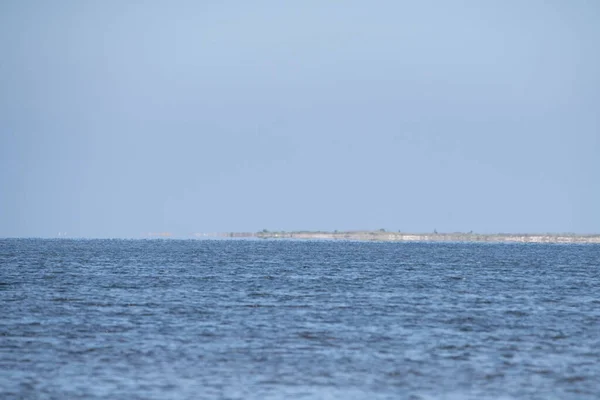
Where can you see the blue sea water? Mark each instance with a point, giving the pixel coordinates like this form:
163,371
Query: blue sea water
268,319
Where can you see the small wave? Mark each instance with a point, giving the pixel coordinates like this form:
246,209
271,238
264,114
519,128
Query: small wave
89,350
98,304
516,313
454,347
543,371
318,336
493,375
258,294
402,373
574,379
558,336
256,305
65,299
297,306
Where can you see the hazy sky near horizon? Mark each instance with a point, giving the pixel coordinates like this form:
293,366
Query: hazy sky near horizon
119,118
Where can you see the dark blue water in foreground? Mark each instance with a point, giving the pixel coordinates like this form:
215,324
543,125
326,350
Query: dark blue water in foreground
298,320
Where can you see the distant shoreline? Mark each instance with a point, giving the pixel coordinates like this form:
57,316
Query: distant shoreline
384,236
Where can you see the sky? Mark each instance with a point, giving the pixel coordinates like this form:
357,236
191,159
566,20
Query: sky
119,118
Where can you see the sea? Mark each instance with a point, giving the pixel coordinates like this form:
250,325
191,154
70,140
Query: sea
291,319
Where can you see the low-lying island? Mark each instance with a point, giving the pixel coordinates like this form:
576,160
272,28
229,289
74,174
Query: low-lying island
382,235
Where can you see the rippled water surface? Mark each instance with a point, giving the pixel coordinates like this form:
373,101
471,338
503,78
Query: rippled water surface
167,319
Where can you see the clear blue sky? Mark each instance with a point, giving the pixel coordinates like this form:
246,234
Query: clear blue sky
119,118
